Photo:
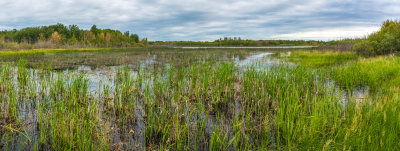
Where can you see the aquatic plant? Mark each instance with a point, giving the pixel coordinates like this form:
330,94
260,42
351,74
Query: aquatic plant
203,105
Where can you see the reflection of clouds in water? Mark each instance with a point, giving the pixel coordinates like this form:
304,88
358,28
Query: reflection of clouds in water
253,58
104,76
261,61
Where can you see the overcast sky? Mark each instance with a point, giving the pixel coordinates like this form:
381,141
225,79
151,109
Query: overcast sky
208,19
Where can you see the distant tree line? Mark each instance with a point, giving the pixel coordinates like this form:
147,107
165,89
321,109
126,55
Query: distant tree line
237,41
59,35
384,41
340,45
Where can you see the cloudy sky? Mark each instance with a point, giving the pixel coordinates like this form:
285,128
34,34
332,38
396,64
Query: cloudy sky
208,19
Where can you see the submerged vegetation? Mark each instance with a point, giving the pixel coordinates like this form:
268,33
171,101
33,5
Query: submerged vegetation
61,59
206,104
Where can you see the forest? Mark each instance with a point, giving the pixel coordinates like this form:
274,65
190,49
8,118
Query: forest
239,42
71,36
62,36
384,41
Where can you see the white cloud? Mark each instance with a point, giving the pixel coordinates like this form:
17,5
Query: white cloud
329,34
5,27
207,19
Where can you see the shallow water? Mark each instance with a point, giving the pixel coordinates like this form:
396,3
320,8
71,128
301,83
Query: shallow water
263,47
135,56
101,75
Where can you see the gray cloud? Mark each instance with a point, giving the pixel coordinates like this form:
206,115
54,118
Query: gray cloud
208,19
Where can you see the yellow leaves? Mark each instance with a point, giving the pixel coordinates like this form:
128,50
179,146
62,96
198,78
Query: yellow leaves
55,37
101,36
107,38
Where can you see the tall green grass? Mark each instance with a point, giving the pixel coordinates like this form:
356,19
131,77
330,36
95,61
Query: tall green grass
376,73
320,59
201,106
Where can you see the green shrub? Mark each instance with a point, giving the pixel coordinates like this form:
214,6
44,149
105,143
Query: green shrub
385,41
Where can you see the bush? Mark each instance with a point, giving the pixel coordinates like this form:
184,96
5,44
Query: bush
385,41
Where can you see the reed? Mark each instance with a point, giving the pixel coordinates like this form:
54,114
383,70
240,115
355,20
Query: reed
203,105
315,58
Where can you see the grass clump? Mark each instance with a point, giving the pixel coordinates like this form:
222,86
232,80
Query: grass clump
320,58
376,73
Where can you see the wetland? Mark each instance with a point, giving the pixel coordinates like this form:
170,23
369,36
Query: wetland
199,99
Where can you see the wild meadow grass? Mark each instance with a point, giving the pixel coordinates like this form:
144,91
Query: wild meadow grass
315,58
203,105
376,73
365,124
30,52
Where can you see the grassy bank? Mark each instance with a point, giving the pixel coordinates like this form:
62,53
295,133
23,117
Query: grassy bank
376,73
315,58
31,52
349,69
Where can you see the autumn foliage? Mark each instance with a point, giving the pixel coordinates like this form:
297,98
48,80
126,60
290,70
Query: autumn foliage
60,35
